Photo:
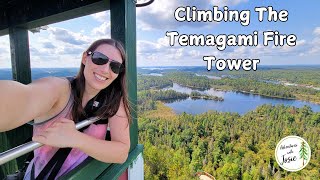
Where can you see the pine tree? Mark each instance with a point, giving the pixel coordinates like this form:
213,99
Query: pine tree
303,152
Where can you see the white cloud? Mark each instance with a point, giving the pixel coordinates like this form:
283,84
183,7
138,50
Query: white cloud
67,36
4,45
164,41
70,50
147,47
160,14
299,45
103,31
194,53
5,60
57,47
48,45
317,31
315,49
102,16
315,43
161,54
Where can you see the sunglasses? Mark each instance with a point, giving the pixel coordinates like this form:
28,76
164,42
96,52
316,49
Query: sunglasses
101,59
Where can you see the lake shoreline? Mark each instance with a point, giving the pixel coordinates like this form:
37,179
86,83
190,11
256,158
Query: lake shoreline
246,92
234,101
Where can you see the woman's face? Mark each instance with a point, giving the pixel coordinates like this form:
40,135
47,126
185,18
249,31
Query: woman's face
99,77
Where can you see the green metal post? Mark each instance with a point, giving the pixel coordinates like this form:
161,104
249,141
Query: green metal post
21,72
20,60
20,55
123,28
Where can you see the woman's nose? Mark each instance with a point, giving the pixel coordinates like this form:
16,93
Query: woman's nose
105,68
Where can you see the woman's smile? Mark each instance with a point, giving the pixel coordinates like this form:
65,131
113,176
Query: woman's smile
100,77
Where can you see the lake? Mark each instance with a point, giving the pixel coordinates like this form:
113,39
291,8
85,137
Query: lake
233,102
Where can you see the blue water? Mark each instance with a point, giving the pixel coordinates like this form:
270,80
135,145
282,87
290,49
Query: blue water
233,102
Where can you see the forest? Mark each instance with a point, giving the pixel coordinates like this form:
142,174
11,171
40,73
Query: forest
229,145
226,145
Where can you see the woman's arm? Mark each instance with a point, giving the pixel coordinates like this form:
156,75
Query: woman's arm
64,134
114,151
21,103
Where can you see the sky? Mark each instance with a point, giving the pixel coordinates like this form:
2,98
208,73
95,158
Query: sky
62,44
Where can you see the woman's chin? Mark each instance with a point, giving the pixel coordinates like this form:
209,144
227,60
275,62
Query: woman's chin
98,86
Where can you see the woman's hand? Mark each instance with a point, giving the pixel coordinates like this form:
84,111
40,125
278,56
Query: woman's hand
61,134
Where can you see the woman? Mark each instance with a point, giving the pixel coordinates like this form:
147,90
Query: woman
56,104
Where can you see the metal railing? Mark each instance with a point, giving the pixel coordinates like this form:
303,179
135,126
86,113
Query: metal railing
30,146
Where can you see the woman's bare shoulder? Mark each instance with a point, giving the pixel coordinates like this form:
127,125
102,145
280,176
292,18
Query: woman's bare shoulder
58,82
53,85
61,88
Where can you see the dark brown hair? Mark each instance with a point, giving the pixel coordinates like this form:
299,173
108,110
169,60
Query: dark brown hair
114,93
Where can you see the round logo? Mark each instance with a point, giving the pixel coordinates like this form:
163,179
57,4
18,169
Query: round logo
293,153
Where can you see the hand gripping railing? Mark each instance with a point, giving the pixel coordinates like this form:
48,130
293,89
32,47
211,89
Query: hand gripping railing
30,146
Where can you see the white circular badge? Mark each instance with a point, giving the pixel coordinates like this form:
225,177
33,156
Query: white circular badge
293,153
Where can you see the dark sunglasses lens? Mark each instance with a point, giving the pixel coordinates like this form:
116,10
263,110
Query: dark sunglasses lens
116,67
99,59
